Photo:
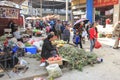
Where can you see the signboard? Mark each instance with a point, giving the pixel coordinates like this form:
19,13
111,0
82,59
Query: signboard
24,9
9,13
77,2
82,1
100,3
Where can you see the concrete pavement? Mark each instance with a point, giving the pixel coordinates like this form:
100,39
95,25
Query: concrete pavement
34,70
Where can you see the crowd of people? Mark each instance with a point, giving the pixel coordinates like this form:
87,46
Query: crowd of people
62,30
80,33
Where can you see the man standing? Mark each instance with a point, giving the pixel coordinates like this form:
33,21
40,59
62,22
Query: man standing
58,29
66,33
116,34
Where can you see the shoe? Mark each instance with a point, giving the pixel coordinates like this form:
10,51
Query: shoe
1,75
115,47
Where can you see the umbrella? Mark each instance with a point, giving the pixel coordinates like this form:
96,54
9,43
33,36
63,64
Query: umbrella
80,20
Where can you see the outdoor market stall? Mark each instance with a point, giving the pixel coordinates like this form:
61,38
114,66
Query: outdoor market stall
9,11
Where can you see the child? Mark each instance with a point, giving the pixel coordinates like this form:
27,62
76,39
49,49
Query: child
77,39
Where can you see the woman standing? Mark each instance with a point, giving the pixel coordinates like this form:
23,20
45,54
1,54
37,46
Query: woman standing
93,35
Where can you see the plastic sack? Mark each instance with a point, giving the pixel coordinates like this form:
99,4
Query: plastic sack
54,70
97,45
31,41
84,34
118,38
38,44
23,62
20,44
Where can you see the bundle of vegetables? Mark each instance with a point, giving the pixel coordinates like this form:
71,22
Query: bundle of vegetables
27,44
35,30
2,38
59,42
77,58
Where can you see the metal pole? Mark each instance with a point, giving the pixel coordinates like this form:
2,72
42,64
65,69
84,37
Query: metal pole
66,10
31,8
41,7
53,7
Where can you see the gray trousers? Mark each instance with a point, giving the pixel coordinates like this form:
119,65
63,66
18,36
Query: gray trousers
116,41
92,44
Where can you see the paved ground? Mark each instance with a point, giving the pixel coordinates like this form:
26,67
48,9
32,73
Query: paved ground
108,70
34,70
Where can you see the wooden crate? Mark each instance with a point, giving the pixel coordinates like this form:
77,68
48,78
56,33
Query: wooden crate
59,62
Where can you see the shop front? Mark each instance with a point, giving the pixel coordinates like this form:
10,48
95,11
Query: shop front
78,9
105,11
9,13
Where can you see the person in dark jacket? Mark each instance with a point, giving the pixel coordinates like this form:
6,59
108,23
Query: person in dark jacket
48,50
66,33
11,25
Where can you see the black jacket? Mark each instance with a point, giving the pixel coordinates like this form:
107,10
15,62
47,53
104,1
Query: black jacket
47,48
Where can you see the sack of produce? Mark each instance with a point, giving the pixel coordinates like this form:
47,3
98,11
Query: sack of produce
54,70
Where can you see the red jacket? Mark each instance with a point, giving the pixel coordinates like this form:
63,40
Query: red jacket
92,33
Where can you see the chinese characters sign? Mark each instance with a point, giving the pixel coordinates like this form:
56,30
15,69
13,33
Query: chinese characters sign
9,12
100,3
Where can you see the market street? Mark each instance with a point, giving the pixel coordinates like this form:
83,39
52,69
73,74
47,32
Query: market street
59,39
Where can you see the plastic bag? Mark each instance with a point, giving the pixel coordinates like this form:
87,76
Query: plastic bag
97,45
23,62
20,44
118,38
54,70
84,34
38,44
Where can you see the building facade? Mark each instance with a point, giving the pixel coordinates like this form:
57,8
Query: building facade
97,10
78,9
44,7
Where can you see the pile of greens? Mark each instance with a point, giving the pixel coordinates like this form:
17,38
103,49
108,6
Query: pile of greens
77,58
